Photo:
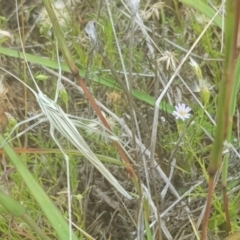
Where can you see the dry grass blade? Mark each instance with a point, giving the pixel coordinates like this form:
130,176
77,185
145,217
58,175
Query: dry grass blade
60,121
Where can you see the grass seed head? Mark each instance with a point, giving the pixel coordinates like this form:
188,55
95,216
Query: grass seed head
169,58
203,86
114,97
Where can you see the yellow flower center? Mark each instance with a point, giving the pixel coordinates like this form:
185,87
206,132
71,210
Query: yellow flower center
182,113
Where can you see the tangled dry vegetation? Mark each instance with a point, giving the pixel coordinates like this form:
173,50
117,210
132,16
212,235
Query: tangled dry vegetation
151,52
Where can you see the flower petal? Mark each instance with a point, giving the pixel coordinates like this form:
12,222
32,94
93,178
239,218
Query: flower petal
182,111
188,109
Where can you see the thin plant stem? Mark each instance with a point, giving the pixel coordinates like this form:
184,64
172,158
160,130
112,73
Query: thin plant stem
226,107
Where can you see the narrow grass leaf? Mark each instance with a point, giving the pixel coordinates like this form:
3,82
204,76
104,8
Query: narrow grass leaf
49,209
11,205
205,9
16,209
104,81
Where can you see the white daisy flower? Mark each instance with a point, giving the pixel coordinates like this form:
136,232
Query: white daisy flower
182,111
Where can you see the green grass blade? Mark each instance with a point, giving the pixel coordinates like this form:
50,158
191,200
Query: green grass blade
235,81
18,210
11,205
205,9
51,212
236,85
106,82
34,59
